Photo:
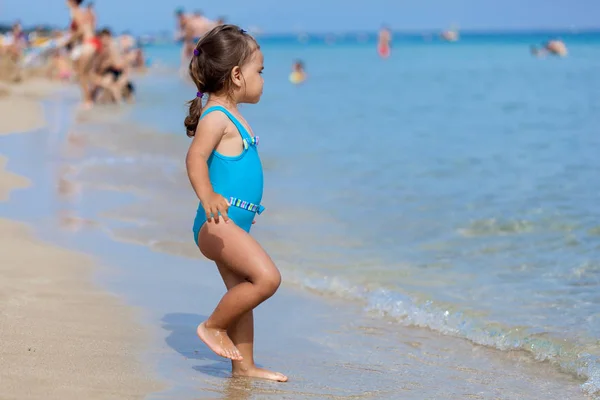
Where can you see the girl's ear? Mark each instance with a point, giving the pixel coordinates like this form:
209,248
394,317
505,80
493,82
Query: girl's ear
236,77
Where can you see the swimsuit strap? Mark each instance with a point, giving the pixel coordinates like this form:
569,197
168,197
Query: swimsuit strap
240,127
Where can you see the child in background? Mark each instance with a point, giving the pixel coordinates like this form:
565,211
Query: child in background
61,66
298,74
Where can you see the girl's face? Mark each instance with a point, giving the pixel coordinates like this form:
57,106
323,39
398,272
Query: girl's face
252,77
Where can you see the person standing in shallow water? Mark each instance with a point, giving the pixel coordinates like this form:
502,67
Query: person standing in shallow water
83,54
384,42
225,171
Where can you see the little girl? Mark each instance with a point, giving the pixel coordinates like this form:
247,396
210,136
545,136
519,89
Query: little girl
226,173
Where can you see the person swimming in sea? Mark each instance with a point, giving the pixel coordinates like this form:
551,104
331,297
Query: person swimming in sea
226,173
551,47
556,47
298,75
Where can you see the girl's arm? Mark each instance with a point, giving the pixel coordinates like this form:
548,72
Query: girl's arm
209,133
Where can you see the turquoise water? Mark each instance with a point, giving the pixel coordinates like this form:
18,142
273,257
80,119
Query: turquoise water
451,186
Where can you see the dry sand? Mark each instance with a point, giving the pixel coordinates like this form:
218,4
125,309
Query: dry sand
60,336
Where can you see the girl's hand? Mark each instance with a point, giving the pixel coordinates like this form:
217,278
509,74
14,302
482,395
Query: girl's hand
214,205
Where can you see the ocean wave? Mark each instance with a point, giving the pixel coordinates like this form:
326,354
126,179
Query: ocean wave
493,226
579,360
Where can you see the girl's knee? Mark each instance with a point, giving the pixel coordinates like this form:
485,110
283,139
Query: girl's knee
268,283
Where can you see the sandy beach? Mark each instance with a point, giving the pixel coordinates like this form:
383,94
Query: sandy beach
62,337
21,103
9,181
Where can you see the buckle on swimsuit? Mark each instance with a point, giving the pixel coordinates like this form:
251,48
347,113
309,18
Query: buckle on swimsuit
253,141
245,205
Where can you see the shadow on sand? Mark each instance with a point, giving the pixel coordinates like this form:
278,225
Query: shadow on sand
182,338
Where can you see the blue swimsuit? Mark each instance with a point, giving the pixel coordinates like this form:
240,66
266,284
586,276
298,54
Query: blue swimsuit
239,179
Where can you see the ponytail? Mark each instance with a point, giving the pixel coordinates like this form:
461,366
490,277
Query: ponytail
191,121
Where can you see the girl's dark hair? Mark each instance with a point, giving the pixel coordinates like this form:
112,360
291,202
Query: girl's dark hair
215,56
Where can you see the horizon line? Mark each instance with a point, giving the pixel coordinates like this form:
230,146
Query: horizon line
595,29
415,31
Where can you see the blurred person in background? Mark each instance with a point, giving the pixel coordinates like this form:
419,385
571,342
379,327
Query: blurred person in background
384,42
85,47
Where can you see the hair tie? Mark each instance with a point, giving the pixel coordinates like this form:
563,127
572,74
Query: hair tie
199,94
196,52
242,31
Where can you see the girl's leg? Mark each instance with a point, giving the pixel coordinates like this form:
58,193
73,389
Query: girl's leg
227,244
241,333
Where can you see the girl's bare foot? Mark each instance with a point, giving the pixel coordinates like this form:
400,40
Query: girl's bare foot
260,373
218,341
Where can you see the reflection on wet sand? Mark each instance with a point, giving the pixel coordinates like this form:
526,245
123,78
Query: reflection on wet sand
69,191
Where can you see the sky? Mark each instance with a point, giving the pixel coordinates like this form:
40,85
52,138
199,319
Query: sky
147,16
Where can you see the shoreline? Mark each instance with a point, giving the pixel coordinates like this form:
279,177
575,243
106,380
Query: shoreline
62,336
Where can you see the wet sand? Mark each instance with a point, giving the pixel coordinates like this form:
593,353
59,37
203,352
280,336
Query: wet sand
61,336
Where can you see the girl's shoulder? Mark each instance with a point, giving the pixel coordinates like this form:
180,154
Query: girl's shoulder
212,119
